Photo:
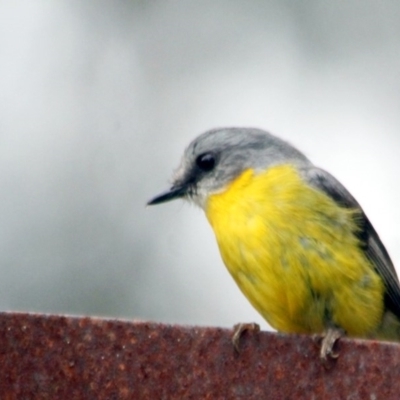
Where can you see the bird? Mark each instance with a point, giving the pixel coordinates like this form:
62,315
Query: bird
296,242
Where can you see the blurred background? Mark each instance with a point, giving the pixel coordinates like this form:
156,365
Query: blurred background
98,100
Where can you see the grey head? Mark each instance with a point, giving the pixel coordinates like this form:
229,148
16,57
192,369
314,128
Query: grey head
216,157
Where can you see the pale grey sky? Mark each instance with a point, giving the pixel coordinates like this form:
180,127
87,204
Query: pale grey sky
98,100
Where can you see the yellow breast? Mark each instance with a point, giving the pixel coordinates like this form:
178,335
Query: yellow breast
293,253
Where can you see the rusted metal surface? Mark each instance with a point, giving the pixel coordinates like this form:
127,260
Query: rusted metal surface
56,357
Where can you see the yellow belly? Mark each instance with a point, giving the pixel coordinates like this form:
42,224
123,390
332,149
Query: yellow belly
292,251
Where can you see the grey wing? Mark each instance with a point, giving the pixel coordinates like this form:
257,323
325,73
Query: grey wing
370,241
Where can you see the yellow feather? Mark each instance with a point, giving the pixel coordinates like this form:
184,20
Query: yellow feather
293,252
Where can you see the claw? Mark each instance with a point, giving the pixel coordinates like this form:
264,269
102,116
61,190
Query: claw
238,331
329,339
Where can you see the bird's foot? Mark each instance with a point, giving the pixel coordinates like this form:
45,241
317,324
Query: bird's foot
329,338
238,331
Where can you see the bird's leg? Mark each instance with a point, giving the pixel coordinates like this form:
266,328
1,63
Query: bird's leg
329,338
238,331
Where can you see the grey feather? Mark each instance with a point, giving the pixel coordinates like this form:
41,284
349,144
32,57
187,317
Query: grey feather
372,245
236,150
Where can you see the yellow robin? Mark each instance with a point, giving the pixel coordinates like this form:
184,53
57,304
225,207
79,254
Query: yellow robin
296,242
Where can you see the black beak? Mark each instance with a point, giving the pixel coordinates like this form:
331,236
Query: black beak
175,192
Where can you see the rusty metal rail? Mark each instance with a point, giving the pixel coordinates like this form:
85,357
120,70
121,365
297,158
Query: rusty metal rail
58,357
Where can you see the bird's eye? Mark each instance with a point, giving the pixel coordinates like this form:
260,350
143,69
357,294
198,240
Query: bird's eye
206,162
